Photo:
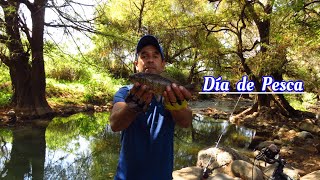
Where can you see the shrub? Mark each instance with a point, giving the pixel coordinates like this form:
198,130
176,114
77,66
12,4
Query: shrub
177,74
69,73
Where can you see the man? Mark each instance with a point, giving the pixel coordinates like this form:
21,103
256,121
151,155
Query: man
146,123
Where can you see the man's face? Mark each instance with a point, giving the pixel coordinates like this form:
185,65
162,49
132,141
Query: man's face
149,60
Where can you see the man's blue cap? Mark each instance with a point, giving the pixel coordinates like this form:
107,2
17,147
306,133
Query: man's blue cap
149,40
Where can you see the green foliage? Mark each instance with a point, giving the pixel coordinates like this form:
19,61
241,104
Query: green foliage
101,88
65,68
6,135
69,73
181,76
302,102
70,128
5,86
5,99
179,32
75,80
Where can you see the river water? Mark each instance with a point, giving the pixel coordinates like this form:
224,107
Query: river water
82,146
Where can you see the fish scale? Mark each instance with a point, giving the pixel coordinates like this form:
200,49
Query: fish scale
155,82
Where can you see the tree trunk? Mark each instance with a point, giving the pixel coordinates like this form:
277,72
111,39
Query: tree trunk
28,81
193,68
282,100
38,77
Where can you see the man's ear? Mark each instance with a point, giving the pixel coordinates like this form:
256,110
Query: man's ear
135,65
163,64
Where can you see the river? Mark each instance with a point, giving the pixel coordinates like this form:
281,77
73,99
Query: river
82,146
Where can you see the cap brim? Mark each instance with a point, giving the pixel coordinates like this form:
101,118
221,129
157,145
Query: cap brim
148,40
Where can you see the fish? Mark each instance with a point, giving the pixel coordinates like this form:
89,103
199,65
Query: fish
155,82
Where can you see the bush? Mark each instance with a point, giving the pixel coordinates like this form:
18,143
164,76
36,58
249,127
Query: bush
177,74
69,73
101,89
5,86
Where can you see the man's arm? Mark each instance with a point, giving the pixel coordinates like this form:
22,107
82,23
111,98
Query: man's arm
121,116
173,93
123,113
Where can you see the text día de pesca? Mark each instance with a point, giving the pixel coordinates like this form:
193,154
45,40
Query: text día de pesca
244,85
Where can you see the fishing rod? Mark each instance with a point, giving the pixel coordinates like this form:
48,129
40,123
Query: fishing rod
206,170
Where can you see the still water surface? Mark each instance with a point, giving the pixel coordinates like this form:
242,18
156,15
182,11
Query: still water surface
83,146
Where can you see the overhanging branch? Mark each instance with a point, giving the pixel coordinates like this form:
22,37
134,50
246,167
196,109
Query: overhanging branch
253,46
29,5
5,59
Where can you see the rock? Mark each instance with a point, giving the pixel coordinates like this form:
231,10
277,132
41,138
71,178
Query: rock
292,132
285,150
308,125
188,173
221,176
304,135
220,157
277,142
11,113
311,176
105,108
293,174
256,141
97,108
264,144
89,107
245,170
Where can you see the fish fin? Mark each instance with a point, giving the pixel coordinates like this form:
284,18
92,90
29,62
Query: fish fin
167,76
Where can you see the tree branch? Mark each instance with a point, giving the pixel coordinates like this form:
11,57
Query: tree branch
218,30
25,28
3,3
5,59
180,52
3,38
29,5
312,2
254,44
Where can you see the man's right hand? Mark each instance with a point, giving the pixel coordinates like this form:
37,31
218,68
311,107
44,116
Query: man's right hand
139,98
123,113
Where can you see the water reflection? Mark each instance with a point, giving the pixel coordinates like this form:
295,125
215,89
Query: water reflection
83,146
24,156
205,132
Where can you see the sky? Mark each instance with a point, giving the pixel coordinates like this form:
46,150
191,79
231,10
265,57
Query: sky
69,44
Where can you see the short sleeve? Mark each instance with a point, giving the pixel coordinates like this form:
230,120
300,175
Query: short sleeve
120,95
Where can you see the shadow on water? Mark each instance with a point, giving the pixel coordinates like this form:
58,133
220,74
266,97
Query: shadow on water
83,146
204,133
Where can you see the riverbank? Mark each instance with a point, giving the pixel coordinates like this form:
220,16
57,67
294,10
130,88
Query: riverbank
297,137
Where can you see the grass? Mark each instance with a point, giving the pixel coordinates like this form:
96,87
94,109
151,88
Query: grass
65,88
99,90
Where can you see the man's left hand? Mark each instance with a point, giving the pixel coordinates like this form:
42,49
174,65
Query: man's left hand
176,97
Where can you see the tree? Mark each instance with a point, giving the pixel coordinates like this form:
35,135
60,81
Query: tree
250,26
19,43
28,79
184,42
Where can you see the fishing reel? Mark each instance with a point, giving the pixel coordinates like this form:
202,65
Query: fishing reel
206,172
269,154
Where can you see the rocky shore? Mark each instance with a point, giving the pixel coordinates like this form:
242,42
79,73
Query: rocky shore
297,139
